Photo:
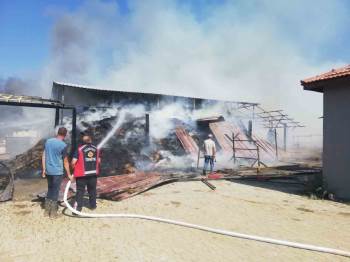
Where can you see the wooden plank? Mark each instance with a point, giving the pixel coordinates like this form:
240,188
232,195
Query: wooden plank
211,186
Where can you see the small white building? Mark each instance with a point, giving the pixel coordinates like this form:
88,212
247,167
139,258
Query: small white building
335,86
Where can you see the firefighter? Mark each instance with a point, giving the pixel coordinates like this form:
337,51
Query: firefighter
86,162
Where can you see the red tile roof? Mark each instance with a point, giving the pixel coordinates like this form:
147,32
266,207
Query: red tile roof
333,74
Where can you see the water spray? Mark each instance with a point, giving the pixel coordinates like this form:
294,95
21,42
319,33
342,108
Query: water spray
120,118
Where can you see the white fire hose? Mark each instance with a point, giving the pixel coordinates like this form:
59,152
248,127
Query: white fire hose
207,229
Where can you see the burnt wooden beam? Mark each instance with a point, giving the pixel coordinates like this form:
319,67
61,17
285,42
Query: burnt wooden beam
211,186
147,129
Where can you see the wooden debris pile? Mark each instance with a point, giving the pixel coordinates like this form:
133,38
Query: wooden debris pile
6,183
126,151
28,163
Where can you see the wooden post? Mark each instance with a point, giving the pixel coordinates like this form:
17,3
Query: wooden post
57,117
62,110
199,152
258,155
285,137
250,129
74,131
147,130
233,148
276,146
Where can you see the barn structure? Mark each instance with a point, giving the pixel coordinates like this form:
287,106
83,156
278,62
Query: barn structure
335,86
85,96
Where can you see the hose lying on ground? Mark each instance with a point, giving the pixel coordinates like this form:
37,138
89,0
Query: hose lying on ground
208,229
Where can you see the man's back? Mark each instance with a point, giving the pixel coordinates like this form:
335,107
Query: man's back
55,151
209,147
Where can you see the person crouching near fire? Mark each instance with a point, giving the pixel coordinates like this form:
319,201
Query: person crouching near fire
86,163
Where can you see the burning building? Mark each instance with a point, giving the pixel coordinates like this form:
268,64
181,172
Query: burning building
141,132
232,123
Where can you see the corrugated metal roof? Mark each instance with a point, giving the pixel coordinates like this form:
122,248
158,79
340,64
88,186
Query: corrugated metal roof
34,101
94,88
210,118
121,186
187,141
223,132
133,92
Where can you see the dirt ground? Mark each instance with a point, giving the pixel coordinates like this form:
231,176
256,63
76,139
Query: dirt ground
27,236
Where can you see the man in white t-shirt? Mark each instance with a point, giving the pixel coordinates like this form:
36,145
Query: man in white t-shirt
209,154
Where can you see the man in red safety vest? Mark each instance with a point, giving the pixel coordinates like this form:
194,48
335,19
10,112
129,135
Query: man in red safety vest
86,163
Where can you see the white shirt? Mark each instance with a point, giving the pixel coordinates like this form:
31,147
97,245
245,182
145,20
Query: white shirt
209,147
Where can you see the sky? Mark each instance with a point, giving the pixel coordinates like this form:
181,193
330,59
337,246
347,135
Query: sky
245,50
25,28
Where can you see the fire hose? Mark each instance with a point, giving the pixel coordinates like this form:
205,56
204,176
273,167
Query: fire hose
207,229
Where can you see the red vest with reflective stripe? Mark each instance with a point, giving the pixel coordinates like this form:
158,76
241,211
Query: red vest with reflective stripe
88,163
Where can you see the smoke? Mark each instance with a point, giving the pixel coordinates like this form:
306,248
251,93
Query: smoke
254,51
18,123
12,86
15,86
249,51
119,122
13,118
163,122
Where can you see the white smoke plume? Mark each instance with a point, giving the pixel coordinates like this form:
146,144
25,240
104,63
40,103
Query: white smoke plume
162,126
254,51
250,51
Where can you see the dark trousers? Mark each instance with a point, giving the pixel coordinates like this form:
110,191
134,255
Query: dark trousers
53,187
90,183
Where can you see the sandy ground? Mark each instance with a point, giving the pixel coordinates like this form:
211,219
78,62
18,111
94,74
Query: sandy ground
27,236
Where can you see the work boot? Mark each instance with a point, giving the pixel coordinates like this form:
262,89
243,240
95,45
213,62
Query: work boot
93,207
47,207
54,209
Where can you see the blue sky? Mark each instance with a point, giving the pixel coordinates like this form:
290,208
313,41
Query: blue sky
25,30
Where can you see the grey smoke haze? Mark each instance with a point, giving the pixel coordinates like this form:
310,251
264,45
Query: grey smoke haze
14,118
248,50
69,47
18,86
12,85
241,50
